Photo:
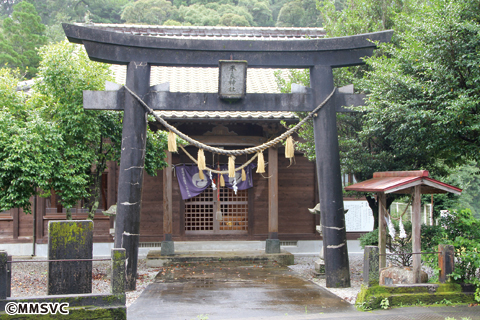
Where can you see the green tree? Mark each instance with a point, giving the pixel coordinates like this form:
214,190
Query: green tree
260,11
6,8
276,6
153,12
66,71
91,138
56,12
233,20
103,11
49,142
214,14
20,36
299,13
198,15
98,11
362,155
428,85
28,147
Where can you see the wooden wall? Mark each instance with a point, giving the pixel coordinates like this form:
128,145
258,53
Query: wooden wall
296,194
297,191
296,185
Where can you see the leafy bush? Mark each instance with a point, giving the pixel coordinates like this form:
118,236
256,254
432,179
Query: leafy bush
397,245
369,239
461,230
431,237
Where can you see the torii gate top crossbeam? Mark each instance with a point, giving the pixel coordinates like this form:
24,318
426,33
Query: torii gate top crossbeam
119,48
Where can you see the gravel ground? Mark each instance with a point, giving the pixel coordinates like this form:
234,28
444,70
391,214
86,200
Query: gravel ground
305,267
30,278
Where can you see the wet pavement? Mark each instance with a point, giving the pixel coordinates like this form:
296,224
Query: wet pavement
233,290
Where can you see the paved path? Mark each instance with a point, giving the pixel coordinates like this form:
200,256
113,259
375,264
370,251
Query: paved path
231,291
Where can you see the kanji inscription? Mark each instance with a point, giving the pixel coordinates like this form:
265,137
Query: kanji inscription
232,79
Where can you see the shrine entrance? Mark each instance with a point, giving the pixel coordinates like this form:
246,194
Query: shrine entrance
219,211
322,101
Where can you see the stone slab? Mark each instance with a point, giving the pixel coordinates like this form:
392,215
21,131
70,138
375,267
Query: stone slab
272,246
70,240
168,248
156,259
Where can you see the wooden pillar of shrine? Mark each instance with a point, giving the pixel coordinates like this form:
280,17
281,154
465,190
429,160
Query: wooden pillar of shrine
382,230
272,243
416,226
167,243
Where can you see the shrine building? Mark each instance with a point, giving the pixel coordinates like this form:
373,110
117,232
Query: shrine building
213,217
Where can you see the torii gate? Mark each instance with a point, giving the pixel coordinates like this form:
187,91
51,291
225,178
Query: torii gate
141,52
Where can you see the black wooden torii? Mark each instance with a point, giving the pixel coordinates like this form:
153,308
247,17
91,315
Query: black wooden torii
139,53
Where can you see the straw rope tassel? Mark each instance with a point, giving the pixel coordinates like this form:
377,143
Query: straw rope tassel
231,167
261,163
222,181
201,164
289,148
244,175
172,142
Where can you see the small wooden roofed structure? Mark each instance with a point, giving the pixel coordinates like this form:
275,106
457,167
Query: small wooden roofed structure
402,182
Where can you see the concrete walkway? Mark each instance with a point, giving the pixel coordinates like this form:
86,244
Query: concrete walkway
232,290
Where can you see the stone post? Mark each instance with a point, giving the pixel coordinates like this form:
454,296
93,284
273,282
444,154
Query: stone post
446,261
9,276
168,246
118,270
70,240
3,275
371,271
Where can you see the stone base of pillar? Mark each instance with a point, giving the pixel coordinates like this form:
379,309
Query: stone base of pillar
272,246
320,267
168,248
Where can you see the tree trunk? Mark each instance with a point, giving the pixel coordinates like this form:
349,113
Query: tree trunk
68,214
373,204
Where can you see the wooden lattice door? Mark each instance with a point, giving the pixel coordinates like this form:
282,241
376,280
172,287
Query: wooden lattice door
217,212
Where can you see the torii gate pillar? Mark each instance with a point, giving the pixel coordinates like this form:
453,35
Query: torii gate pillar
329,180
130,180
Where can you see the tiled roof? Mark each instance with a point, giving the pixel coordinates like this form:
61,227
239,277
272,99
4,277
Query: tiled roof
183,79
228,115
202,79
194,32
401,182
206,80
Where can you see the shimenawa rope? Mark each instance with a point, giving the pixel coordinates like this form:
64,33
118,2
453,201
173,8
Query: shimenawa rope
256,149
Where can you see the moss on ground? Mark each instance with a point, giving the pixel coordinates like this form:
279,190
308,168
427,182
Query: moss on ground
371,297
